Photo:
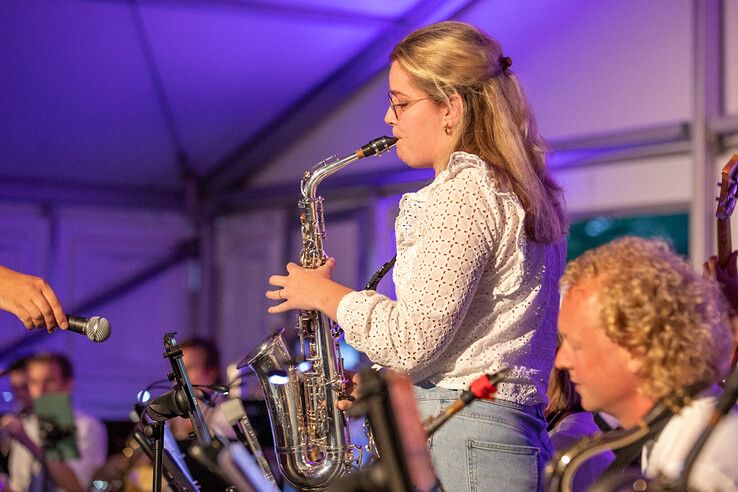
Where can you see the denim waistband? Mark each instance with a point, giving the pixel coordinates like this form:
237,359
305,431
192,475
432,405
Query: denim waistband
428,392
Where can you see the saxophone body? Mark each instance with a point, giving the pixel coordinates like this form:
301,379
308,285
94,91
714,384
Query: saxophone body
311,436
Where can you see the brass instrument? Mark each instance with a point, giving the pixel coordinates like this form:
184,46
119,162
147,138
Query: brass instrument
236,416
310,435
560,471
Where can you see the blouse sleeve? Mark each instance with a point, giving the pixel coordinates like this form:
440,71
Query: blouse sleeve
456,240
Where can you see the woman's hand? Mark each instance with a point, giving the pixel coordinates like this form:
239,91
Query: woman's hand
352,389
308,289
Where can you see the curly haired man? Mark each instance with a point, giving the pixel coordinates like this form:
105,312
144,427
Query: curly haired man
638,322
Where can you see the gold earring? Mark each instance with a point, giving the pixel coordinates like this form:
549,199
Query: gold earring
447,129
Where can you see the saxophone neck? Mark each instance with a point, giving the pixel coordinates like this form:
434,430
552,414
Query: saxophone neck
312,179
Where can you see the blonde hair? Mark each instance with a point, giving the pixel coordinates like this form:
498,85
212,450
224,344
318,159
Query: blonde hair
654,304
497,125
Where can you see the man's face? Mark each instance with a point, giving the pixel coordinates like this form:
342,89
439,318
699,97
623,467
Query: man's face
194,361
46,377
603,372
19,387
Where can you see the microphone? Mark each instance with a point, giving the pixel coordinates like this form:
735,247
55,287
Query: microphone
484,387
96,328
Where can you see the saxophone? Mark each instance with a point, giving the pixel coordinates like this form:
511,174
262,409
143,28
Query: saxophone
310,435
560,471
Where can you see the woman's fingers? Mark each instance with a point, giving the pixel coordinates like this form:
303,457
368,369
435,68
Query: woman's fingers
351,388
279,308
344,404
276,295
328,267
278,280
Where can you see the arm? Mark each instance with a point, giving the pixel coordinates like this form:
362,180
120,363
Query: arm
61,474
31,299
455,244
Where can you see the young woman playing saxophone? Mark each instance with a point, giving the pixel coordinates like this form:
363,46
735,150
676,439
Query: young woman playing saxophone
479,253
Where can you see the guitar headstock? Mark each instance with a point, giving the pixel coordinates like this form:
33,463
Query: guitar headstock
728,189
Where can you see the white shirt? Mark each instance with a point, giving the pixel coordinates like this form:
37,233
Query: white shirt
716,468
92,444
474,295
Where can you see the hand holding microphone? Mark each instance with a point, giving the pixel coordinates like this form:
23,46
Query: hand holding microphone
31,299
34,302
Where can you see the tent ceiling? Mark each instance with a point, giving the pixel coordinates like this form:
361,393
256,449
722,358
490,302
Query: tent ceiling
127,95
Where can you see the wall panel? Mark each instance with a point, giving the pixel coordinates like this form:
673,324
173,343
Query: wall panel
591,67
656,183
25,247
249,248
98,249
730,55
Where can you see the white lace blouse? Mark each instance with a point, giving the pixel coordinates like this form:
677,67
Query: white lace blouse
473,294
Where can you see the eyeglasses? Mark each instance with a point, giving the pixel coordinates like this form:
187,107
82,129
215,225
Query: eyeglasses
398,108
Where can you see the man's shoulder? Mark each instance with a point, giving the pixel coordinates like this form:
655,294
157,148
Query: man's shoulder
695,416
689,423
715,462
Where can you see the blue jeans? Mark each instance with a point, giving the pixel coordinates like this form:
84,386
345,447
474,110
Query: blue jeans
487,446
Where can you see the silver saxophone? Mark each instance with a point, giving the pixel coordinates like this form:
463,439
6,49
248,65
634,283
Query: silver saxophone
310,435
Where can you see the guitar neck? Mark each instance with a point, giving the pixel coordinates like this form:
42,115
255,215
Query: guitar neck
724,242
726,204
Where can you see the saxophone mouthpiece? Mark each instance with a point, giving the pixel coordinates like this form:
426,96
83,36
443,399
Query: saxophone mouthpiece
376,146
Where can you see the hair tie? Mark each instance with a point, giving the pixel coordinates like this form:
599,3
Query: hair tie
505,62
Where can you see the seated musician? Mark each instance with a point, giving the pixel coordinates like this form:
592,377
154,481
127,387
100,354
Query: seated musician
568,422
202,361
637,324
29,465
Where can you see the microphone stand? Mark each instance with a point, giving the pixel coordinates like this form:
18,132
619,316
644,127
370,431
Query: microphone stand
179,375
177,478
392,472
180,401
